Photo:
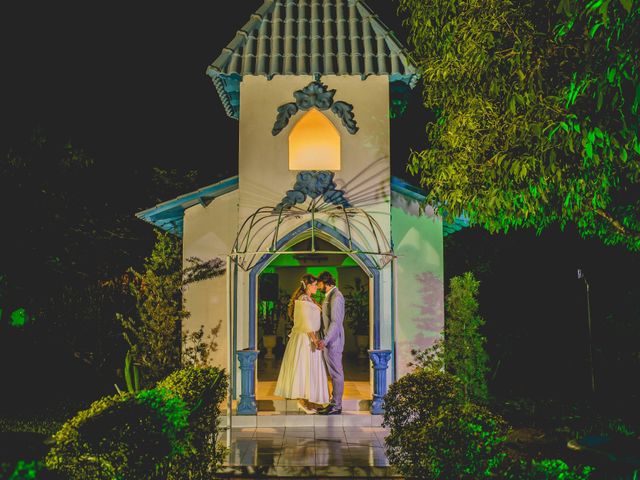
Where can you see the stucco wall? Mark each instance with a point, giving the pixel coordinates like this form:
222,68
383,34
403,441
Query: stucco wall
264,175
209,232
263,159
417,239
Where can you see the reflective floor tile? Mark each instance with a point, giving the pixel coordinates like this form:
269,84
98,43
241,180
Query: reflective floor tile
269,431
365,442
290,443
300,456
265,459
299,432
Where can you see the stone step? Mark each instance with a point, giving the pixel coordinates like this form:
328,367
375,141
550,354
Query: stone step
273,419
287,406
301,471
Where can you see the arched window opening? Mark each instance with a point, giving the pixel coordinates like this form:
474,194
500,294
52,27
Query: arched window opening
314,143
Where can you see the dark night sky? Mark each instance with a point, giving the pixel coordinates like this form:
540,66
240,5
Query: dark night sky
126,81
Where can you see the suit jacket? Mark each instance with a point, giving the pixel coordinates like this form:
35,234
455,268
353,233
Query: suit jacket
333,320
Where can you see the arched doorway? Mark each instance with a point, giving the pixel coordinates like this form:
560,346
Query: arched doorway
261,239
276,281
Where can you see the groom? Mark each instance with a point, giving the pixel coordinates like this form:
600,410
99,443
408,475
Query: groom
332,339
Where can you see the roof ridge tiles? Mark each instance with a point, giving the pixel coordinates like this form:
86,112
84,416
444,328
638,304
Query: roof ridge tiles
310,37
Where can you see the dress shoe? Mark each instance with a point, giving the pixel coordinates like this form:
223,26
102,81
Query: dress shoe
332,410
324,409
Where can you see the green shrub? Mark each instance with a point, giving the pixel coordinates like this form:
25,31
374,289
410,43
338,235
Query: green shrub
416,397
460,441
464,352
153,334
543,470
434,434
122,436
461,349
202,389
22,470
165,432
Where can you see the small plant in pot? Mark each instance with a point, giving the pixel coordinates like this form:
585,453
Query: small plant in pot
268,320
281,313
357,313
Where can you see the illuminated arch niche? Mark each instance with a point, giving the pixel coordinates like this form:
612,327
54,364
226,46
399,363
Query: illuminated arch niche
314,143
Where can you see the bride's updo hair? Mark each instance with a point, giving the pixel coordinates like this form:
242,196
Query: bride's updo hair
306,279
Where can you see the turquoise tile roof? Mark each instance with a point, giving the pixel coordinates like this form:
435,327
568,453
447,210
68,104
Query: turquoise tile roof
169,215
309,37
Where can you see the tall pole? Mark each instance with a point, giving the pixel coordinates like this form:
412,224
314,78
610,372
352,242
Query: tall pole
229,352
593,379
586,284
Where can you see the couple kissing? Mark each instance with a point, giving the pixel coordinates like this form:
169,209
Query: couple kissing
315,347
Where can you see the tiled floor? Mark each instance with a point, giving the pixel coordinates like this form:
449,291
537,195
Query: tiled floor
352,390
309,451
356,385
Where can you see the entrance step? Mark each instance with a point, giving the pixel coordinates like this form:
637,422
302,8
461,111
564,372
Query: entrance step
274,419
294,471
291,406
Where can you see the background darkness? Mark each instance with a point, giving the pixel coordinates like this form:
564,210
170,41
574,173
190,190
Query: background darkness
126,82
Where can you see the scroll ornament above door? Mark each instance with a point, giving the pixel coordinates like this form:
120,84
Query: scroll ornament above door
313,184
315,95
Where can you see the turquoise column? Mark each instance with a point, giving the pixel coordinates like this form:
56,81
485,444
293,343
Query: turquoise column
247,404
380,360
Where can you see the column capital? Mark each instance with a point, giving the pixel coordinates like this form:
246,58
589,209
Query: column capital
380,358
247,358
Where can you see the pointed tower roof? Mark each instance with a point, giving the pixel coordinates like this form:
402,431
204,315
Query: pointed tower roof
309,37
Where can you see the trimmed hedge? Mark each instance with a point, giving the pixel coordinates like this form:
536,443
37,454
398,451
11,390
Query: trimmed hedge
121,436
202,389
434,435
161,433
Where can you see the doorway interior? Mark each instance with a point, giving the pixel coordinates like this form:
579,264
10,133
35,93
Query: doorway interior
276,283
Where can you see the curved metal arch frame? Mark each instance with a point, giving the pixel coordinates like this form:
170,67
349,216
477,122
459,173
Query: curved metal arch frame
336,238
355,219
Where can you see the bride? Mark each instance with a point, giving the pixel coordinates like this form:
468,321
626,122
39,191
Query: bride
303,373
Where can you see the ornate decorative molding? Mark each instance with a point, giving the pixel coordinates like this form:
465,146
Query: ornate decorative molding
247,404
313,184
380,360
315,95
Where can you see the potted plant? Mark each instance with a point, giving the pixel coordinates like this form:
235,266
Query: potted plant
281,313
269,322
357,313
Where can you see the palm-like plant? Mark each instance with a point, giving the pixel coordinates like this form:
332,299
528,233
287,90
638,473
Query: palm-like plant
266,317
357,307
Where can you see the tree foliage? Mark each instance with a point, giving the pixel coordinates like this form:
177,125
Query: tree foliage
154,333
536,112
461,352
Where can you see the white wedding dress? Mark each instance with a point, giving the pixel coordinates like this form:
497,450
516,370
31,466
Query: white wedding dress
303,373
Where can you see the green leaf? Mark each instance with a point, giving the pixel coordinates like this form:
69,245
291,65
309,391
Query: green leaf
594,29
626,4
636,101
588,148
593,4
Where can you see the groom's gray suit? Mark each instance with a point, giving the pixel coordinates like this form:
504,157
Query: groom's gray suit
333,323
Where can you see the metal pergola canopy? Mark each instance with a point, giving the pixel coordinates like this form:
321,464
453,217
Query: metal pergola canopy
356,232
